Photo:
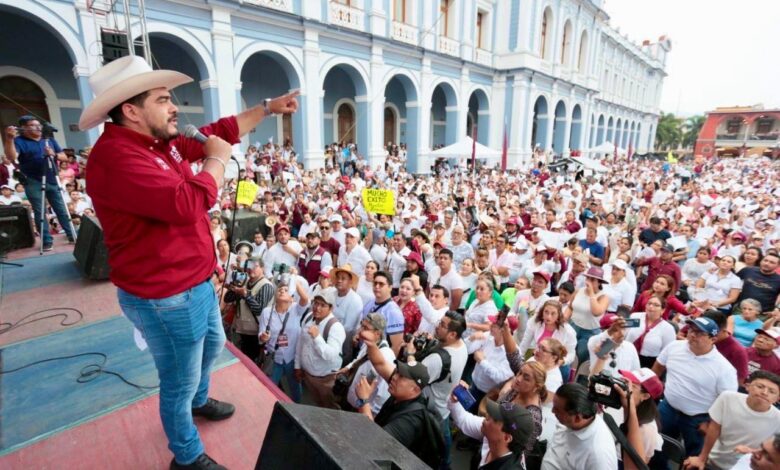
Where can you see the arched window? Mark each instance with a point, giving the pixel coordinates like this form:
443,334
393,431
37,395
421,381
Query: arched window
544,46
28,98
566,45
583,53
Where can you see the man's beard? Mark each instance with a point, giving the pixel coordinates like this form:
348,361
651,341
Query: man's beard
161,132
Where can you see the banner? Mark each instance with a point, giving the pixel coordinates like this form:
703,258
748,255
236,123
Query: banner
247,191
379,201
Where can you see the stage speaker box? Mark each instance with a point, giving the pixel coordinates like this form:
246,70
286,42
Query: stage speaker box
301,436
247,223
16,228
90,252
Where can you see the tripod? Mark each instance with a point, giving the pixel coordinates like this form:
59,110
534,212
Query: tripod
49,165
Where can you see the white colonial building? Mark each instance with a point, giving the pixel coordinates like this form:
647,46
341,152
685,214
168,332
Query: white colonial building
552,73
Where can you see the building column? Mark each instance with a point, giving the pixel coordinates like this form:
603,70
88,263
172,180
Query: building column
376,109
463,106
496,108
222,36
423,128
311,102
412,138
210,91
85,97
518,153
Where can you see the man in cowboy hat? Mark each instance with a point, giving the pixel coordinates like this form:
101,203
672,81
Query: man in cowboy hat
145,195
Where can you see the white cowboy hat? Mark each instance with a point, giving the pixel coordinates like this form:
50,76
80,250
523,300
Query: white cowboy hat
119,81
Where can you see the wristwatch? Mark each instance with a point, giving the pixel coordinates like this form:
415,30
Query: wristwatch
266,107
360,402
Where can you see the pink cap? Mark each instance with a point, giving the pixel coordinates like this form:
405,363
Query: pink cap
647,379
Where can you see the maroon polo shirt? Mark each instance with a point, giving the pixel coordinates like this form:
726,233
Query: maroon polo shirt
756,362
735,354
153,210
656,267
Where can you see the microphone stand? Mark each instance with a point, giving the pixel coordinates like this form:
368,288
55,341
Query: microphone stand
49,165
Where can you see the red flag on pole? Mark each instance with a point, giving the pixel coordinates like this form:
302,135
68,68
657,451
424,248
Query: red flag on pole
630,151
474,149
504,150
616,155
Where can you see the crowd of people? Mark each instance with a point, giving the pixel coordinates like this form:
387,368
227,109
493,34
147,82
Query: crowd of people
521,287
491,308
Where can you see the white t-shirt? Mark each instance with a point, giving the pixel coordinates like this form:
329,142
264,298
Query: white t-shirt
625,358
357,258
694,382
718,288
739,426
439,393
7,201
591,447
277,255
451,280
656,339
348,310
381,394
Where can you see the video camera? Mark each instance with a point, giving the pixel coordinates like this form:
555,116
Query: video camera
601,389
238,277
423,346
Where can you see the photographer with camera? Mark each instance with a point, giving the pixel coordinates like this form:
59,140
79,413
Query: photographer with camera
405,415
640,415
251,292
609,352
583,441
284,251
318,353
280,330
444,356
37,155
372,330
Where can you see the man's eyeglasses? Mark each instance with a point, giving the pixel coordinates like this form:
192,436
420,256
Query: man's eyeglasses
324,228
379,284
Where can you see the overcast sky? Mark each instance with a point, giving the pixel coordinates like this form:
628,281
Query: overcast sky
724,52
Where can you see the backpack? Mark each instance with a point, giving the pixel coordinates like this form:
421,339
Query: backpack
446,362
432,445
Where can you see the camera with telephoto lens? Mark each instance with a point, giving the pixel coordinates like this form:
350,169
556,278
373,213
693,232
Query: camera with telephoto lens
281,274
601,390
238,277
423,346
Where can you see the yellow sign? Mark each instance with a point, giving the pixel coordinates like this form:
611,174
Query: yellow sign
247,191
379,201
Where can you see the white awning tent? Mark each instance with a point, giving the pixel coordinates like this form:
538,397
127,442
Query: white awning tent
591,164
462,150
604,147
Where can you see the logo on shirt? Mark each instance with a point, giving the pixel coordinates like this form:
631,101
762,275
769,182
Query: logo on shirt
175,154
162,163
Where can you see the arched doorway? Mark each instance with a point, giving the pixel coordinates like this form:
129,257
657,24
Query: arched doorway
618,131
478,117
20,96
559,128
600,131
611,130
268,74
539,126
391,127
401,98
345,130
444,115
576,128
344,117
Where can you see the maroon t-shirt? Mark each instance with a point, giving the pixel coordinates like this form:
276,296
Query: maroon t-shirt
770,363
331,246
735,354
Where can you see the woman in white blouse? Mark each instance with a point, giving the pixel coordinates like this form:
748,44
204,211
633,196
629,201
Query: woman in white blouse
549,323
653,333
721,288
619,289
482,308
694,268
365,287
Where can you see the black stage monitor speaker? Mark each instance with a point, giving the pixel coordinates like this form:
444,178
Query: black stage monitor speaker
90,252
303,437
16,229
247,223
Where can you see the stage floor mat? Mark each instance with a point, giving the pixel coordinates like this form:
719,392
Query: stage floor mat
46,398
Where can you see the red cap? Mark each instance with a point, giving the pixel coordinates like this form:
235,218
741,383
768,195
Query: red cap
280,227
414,256
440,244
647,379
543,274
607,320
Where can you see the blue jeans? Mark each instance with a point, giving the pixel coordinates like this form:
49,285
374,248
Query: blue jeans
185,335
583,336
33,191
447,433
676,424
287,370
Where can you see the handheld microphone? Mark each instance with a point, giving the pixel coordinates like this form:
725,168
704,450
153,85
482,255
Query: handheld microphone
192,132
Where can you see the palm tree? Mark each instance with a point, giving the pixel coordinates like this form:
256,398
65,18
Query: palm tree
668,133
691,128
